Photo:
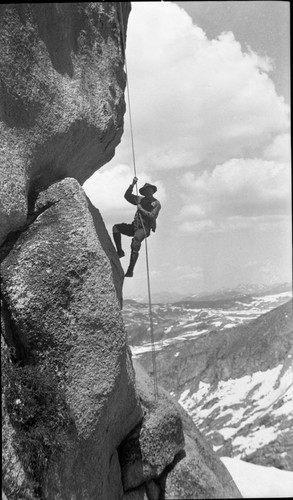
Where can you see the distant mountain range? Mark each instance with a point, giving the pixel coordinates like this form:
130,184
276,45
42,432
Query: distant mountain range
165,297
242,290
228,360
162,297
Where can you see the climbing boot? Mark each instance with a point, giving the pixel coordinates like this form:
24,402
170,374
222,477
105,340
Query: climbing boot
133,259
117,239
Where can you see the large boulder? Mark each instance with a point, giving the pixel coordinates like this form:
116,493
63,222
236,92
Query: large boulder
152,445
62,96
196,476
201,473
195,471
63,319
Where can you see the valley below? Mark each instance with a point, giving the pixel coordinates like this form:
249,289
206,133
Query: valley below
227,359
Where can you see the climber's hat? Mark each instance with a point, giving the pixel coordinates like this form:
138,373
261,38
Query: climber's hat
146,185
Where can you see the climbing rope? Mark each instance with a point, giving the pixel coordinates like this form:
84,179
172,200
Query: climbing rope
145,239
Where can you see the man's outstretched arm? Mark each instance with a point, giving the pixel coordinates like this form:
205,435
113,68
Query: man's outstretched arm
132,198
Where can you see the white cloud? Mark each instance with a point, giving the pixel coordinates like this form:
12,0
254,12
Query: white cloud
195,100
279,149
192,210
106,190
235,195
196,226
236,223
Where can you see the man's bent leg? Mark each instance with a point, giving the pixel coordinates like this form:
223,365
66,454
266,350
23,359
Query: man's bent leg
139,236
119,229
117,240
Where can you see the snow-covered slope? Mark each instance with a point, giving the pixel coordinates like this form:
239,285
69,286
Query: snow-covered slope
256,481
246,413
235,381
175,323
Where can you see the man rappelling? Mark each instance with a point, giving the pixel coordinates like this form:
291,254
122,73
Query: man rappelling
144,221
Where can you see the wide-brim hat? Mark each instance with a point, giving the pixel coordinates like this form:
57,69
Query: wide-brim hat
146,185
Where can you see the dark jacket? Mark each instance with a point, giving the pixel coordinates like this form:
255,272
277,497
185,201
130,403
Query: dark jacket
150,209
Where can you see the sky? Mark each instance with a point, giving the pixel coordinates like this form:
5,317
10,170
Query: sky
209,99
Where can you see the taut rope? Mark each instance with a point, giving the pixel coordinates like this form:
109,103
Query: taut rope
146,247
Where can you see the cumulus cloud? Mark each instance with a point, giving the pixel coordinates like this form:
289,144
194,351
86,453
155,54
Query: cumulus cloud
106,190
279,149
205,112
198,226
195,100
234,195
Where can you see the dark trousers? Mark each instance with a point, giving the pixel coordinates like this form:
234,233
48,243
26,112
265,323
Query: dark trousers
138,235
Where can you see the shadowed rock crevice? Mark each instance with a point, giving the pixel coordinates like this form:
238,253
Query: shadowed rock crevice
12,237
18,347
163,478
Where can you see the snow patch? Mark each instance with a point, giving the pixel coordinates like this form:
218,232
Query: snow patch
227,432
257,439
256,393
257,481
217,323
184,395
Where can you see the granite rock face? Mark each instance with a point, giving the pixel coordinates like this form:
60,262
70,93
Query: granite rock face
59,291
197,476
61,96
108,247
13,473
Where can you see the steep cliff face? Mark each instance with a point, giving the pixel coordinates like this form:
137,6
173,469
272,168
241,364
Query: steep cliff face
62,96
77,423
63,320
62,107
